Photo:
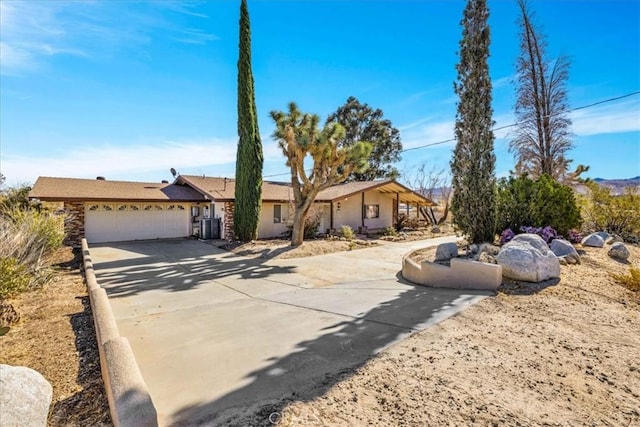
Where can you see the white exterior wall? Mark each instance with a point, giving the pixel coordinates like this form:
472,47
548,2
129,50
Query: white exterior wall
266,227
351,211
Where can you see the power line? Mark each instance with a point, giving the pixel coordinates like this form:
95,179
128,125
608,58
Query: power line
515,124
604,101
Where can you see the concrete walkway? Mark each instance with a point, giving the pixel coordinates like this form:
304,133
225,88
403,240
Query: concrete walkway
219,337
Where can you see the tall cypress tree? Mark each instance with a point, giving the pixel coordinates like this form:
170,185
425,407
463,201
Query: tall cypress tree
249,160
473,163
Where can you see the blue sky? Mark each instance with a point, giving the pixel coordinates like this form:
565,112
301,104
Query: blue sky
128,89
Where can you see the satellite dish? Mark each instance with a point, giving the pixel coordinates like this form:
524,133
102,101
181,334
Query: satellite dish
173,172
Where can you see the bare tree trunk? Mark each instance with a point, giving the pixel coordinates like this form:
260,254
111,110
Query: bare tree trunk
299,216
297,231
444,215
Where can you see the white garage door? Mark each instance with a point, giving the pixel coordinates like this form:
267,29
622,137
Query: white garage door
114,222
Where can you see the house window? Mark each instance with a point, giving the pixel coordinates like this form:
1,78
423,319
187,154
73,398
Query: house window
277,214
371,211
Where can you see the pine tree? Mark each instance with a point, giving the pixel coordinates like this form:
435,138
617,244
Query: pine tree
473,163
249,160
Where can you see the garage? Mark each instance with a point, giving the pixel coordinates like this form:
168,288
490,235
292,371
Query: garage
114,222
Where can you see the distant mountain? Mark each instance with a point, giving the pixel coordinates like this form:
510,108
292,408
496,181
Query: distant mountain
618,186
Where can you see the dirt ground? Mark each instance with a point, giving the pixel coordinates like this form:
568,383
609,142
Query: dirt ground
565,354
56,338
280,248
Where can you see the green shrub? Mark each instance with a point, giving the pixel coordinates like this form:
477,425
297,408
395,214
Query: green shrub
390,231
544,202
15,278
347,232
13,198
604,211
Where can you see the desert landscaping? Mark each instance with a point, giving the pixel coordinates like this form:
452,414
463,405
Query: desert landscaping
468,256
560,354
554,353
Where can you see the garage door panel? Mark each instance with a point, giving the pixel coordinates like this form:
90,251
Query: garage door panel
123,223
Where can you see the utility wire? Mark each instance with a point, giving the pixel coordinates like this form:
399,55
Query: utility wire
498,128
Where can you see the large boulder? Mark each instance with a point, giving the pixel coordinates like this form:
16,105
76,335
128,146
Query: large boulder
25,397
563,249
619,251
528,258
532,239
613,238
594,240
446,251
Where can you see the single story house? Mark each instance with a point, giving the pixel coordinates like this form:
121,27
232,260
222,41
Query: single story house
106,211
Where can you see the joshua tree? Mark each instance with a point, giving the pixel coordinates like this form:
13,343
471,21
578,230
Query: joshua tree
298,135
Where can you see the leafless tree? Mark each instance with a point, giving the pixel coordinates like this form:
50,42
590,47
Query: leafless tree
434,183
543,133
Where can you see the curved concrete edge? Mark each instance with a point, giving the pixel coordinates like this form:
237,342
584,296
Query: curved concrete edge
130,403
128,396
463,274
89,273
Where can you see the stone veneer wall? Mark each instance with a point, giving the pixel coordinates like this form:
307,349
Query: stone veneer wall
229,207
74,226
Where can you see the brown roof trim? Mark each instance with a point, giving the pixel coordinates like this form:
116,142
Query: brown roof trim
96,199
373,186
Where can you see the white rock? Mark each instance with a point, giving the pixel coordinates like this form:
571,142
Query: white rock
619,251
562,248
446,251
533,239
594,240
529,259
25,397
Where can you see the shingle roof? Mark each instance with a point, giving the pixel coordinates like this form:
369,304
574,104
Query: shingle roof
223,189
195,188
60,189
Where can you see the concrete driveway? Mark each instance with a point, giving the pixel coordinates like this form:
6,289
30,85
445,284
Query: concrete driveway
220,338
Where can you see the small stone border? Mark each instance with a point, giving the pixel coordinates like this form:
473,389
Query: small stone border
130,403
463,274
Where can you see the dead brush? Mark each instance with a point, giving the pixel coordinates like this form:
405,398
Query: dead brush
26,238
630,281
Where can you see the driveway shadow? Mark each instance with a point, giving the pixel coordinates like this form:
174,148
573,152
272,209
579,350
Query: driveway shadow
313,366
174,266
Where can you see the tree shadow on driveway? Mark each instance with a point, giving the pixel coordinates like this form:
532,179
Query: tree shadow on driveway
315,365
128,269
